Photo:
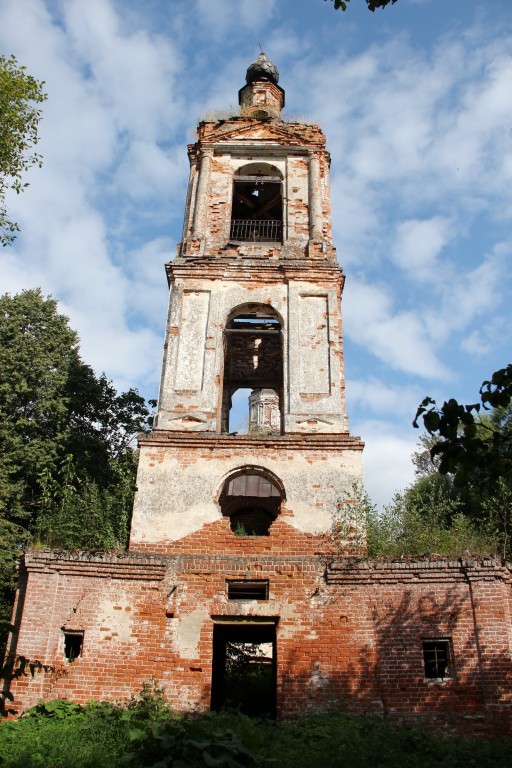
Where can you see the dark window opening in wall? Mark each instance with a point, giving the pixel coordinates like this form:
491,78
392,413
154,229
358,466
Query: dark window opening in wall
251,521
437,658
73,643
253,372
244,667
257,207
248,590
252,502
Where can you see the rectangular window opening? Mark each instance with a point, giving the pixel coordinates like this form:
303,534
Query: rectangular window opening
248,590
73,643
437,659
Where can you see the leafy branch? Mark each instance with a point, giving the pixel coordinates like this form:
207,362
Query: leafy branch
372,4
20,94
467,444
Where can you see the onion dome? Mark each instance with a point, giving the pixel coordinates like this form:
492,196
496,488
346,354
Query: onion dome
262,69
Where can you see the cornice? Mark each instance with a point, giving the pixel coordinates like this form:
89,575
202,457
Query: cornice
220,441
263,270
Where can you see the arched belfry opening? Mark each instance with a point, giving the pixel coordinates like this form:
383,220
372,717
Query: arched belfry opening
251,497
257,207
253,360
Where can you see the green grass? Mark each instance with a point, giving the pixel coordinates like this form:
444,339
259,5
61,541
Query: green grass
108,736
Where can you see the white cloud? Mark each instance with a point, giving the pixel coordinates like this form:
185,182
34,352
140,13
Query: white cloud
373,395
224,17
147,171
466,296
418,244
111,97
486,339
132,72
148,293
386,459
397,338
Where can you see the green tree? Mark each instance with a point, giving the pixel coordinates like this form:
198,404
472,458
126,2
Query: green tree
20,95
427,519
470,448
37,351
67,469
467,445
372,4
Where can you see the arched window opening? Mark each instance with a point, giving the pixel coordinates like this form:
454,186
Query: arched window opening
253,372
257,207
252,502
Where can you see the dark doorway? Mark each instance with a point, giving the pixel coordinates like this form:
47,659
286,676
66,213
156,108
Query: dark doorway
244,667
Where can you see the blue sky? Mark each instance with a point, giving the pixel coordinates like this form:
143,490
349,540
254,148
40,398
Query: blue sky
416,104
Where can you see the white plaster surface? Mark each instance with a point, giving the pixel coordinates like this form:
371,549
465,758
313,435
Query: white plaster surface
189,633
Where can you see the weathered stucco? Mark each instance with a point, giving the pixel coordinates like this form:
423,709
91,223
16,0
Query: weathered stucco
179,487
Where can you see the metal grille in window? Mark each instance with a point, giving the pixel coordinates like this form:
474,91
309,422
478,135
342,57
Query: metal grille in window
437,658
253,231
247,590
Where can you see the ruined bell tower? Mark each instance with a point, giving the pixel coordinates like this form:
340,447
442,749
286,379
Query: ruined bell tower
255,304
230,593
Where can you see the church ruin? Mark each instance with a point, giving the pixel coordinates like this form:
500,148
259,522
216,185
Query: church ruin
230,592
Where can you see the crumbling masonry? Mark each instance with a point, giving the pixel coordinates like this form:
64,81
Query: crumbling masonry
229,555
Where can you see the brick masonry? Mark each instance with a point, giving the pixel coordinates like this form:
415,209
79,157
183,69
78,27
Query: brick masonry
349,633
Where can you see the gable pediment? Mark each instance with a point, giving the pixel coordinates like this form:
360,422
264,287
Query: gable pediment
265,132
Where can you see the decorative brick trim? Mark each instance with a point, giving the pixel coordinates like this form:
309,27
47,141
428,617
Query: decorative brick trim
109,565
442,570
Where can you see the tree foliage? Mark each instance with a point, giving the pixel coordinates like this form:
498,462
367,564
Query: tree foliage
470,451
67,470
468,446
20,95
427,519
372,4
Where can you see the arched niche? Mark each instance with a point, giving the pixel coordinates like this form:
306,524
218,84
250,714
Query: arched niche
253,360
257,204
251,498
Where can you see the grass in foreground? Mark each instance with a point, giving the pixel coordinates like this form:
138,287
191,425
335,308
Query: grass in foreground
60,734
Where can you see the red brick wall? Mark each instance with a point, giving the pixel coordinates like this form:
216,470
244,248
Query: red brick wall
348,637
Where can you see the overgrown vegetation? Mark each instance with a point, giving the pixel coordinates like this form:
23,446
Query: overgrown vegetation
59,733
430,518
461,502
67,468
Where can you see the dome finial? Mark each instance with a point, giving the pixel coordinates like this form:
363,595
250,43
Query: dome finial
262,69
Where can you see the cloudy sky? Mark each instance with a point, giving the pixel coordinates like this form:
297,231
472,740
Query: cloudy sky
416,104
